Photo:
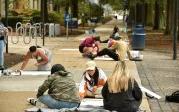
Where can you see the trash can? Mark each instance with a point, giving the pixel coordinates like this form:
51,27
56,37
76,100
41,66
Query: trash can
51,30
57,29
138,38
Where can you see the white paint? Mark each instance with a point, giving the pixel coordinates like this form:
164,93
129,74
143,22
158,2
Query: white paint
69,49
30,73
150,92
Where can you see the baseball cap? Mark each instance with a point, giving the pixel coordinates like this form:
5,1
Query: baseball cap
90,65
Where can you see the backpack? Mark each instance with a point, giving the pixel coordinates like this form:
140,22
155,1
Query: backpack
174,97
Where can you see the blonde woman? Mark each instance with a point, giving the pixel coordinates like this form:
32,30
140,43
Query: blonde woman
117,50
121,92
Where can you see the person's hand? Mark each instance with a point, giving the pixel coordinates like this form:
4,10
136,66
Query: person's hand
94,89
37,64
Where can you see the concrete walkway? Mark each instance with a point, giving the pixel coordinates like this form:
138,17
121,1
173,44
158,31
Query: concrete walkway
72,60
159,73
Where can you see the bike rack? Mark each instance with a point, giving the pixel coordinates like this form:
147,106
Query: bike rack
27,26
38,28
10,30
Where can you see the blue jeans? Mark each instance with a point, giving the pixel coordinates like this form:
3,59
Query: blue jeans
56,104
2,45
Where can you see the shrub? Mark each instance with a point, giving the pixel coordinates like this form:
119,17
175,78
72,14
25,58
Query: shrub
12,20
55,18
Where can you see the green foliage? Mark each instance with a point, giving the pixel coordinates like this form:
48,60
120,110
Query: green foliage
55,17
35,13
12,20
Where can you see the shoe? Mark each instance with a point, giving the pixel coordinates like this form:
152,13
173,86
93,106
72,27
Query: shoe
173,98
92,56
32,101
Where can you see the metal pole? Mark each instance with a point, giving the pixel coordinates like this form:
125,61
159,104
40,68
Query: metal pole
43,21
67,29
6,17
175,3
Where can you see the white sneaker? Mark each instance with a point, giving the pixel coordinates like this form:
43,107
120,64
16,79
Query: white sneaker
32,101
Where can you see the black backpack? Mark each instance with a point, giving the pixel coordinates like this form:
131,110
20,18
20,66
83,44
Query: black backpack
173,98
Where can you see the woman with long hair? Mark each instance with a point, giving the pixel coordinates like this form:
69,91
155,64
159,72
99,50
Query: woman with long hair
121,92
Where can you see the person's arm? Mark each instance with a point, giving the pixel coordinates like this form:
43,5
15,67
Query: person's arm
26,59
82,88
136,92
105,90
44,86
102,78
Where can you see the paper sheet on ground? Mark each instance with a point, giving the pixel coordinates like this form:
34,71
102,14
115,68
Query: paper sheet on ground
90,104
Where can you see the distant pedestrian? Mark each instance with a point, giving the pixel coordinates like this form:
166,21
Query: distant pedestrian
3,34
121,92
89,46
62,90
43,57
92,81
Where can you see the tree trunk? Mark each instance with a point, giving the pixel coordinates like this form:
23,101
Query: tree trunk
157,14
140,18
167,30
150,15
74,6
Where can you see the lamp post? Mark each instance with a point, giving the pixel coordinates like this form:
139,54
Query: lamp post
175,21
43,20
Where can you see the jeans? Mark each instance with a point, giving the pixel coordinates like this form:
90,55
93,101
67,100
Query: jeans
56,104
108,52
2,44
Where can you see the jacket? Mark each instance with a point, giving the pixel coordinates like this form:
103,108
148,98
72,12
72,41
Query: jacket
125,101
60,86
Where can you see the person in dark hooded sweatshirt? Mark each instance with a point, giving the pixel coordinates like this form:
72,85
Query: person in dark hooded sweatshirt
62,91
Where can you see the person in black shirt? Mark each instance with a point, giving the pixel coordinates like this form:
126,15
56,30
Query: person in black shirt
121,92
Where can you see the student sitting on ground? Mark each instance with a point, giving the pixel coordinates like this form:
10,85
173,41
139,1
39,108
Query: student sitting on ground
42,55
121,92
92,81
89,46
117,50
62,90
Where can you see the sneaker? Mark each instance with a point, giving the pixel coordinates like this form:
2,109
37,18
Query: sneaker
92,56
32,101
173,98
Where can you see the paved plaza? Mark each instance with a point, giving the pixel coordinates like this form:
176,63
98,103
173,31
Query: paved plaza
157,72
